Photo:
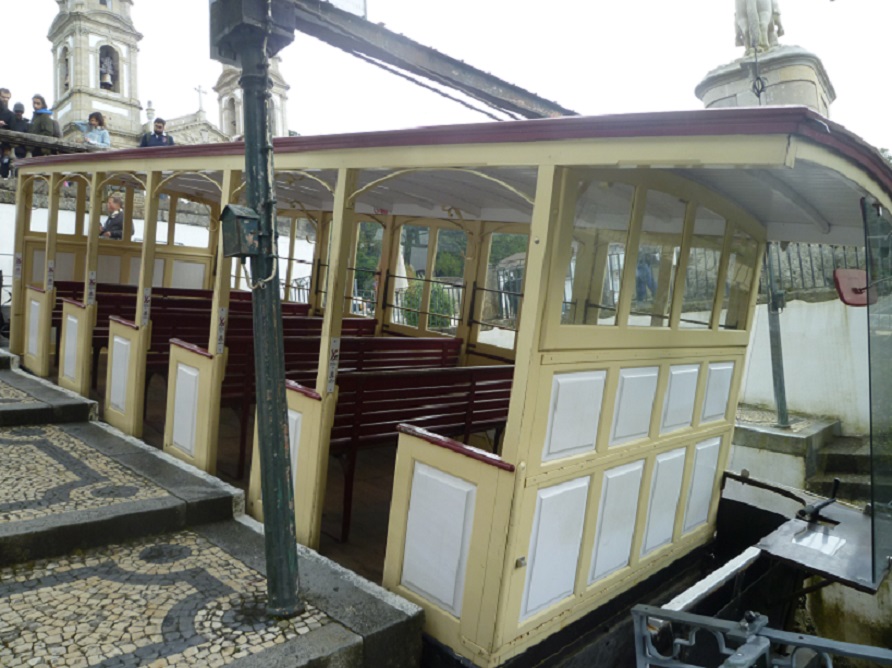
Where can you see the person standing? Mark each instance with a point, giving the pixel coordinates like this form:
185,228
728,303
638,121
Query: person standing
43,123
157,138
114,224
5,113
20,124
6,121
94,130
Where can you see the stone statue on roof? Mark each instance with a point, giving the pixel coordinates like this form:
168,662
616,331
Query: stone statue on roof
758,24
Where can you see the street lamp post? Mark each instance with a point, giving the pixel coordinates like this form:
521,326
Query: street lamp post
248,33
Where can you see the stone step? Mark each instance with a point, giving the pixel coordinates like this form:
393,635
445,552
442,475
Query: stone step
197,598
803,441
853,487
81,485
27,400
849,455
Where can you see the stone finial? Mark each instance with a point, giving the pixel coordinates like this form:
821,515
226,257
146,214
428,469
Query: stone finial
150,112
758,25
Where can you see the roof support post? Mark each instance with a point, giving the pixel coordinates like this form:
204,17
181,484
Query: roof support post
24,199
94,224
147,263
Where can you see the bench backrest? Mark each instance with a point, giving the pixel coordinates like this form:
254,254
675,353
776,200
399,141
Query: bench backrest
458,401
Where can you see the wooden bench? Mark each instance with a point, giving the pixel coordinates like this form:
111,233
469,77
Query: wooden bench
301,342
453,402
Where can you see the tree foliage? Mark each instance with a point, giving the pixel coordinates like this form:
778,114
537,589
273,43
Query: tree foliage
504,245
441,302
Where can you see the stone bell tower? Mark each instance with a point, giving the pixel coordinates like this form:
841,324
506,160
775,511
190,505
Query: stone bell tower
229,96
95,46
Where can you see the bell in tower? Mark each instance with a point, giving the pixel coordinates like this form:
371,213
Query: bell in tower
95,46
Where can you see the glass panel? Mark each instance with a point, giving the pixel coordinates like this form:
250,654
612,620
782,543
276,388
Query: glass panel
187,232
503,294
878,227
447,288
365,270
302,262
659,248
702,274
408,285
740,280
594,274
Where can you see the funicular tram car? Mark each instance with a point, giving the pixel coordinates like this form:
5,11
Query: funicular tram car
571,443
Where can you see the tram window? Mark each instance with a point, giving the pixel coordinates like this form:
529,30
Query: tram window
739,280
702,273
502,295
365,274
195,236
594,272
408,285
659,249
447,286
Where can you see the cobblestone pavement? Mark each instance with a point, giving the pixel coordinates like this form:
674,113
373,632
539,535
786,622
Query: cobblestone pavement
12,395
46,471
174,600
113,555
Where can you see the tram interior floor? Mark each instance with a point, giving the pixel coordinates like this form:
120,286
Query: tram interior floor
363,553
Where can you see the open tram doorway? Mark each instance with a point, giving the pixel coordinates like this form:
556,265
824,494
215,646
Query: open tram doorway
430,265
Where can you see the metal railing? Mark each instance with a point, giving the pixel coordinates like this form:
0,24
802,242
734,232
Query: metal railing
801,267
664,638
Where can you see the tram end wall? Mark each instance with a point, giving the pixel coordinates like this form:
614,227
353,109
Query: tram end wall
825,363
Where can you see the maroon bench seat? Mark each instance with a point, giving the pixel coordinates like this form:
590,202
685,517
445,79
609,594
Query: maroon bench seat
301,341
454,402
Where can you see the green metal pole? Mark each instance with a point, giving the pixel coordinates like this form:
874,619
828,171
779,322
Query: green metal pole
777,351
269,359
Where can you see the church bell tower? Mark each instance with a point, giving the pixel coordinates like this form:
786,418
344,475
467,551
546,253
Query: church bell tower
229,97
95,46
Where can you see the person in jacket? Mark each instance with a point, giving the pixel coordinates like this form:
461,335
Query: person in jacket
114,224
94,130
157,138
43,123
5,113
6,119
20,124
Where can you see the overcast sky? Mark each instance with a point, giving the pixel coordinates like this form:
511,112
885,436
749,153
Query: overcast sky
594,57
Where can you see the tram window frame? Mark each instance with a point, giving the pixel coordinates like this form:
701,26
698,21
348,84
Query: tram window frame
506,293
658,255
601,242
702,269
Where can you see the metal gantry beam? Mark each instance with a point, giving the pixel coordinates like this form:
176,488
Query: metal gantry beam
374,42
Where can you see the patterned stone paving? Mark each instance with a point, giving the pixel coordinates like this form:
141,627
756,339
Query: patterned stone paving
175,600
11,395
47,471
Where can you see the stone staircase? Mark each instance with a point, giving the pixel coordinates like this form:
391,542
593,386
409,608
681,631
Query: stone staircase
114,554
825,454
848,458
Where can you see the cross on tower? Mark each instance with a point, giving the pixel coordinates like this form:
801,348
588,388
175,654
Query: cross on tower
201,92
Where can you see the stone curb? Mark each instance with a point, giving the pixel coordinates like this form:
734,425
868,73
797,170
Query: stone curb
390,626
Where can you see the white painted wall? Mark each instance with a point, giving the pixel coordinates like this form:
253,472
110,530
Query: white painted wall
825,362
